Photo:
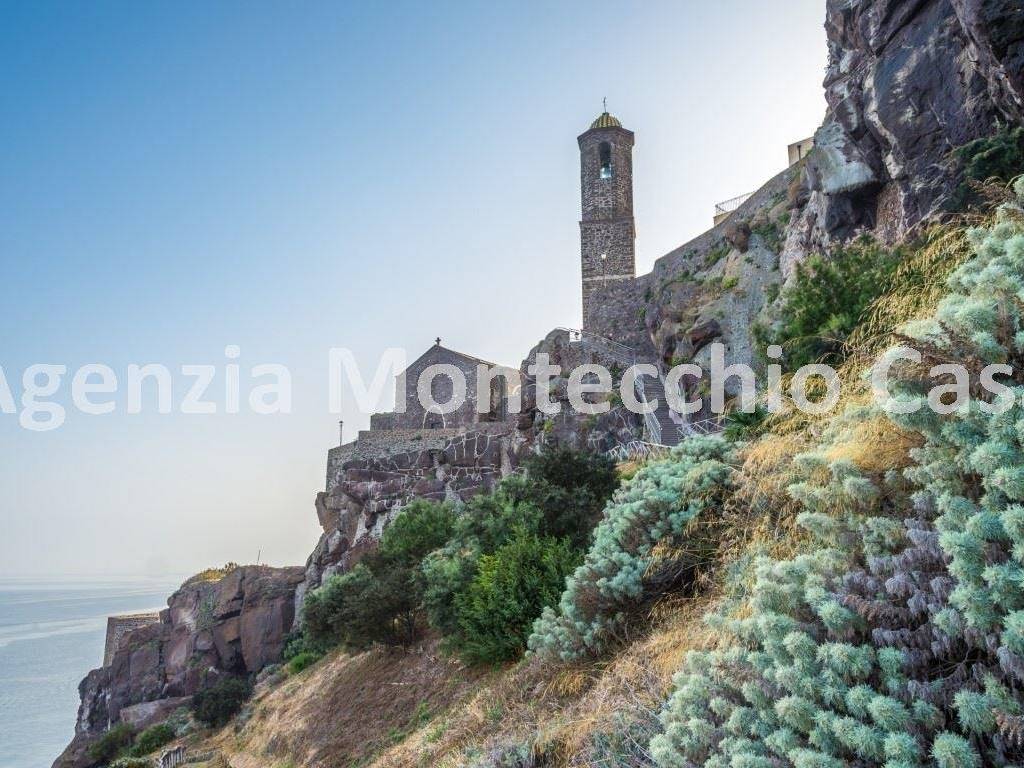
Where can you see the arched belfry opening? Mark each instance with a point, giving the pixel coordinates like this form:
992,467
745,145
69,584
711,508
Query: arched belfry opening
604,153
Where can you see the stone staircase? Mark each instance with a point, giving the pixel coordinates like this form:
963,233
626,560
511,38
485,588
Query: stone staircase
667,432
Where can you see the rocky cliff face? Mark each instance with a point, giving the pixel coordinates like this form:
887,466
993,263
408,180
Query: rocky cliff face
235,625
908,82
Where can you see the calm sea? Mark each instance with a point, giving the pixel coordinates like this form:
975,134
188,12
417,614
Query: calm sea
51,635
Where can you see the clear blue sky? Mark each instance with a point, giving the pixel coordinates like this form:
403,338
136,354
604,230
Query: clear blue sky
177,177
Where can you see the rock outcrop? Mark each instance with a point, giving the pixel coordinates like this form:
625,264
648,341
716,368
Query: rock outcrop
908,82
234,625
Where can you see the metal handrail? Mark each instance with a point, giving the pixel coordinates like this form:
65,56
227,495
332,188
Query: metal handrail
635,449
620,352
728,206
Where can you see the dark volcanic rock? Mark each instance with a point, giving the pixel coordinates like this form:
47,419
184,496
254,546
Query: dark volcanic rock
233,626
908,82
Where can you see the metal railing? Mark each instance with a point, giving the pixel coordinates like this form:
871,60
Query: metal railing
172,757
731,205
636,450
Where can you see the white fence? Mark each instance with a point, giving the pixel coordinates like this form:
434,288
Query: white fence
172,758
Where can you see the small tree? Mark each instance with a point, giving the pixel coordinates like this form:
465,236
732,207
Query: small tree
218,704
381,599
570,488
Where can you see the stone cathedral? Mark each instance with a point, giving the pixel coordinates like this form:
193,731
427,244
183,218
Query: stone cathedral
607,230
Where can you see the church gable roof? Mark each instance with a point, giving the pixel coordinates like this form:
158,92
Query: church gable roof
438,350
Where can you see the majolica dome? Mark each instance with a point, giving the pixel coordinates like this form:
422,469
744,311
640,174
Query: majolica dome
606,120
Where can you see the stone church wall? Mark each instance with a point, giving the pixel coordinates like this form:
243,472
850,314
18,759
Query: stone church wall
416,416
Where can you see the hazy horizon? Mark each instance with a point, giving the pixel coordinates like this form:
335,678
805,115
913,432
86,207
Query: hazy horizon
180,179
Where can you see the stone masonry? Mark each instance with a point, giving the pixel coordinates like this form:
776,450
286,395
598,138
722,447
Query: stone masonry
416,416
607,232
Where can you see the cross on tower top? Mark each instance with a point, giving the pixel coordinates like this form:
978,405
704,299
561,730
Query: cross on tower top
438,341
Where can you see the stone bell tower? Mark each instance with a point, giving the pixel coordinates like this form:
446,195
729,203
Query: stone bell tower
607,233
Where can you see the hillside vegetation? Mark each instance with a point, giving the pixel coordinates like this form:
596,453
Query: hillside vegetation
828,591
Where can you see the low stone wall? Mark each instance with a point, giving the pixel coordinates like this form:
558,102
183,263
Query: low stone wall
118,627
373,445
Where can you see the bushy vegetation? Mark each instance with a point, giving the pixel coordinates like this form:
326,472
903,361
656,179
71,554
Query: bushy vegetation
895,638
380,599
216,705
111,744
998,158
827,299
132,762
151,739
303,661
479,575
548,513
510,589
654,507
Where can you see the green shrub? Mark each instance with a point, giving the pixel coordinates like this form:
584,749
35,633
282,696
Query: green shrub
152,739
508,592
827,300
570,488
218,704
655,506
380,599
560,497
740,425
111,744
303,661
353,610
998,158
298,642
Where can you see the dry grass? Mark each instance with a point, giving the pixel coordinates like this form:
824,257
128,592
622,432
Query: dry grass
559,711
346,709
875,446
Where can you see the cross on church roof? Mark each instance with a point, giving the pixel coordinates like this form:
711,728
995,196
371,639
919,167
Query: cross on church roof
438,341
